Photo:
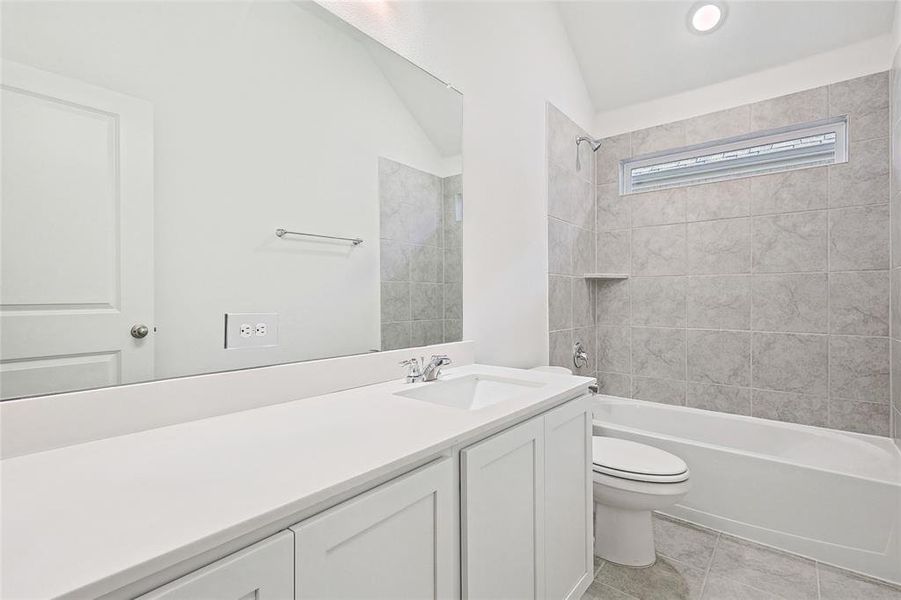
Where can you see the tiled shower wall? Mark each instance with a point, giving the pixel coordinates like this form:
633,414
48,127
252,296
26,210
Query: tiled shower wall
571,247
421,260
896,244
766,296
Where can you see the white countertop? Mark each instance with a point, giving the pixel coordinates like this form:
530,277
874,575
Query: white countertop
88,519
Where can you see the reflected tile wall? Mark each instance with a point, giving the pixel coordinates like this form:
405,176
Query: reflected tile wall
765,296
421,261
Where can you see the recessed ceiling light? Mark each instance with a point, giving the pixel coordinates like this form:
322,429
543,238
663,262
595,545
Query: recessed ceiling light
705,17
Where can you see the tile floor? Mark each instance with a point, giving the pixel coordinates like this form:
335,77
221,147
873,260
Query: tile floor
695,564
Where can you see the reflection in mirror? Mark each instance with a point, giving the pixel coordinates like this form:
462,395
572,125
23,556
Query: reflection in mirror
150,151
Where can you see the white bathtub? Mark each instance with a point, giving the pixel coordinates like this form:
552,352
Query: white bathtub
828,495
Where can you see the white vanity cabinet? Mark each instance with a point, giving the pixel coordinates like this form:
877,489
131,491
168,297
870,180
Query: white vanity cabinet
264,571
395,541
526,509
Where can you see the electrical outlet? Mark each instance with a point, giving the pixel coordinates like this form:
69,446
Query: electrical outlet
251,330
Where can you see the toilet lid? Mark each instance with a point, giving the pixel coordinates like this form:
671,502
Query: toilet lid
638,462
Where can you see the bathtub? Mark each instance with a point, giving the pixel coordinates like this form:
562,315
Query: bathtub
829,495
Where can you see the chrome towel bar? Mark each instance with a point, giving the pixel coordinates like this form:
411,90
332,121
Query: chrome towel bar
284,232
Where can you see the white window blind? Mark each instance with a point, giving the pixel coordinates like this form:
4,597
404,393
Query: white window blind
795,147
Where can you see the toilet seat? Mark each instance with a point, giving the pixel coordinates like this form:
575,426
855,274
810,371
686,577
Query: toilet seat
624,459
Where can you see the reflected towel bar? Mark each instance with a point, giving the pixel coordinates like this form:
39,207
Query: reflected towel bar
284,232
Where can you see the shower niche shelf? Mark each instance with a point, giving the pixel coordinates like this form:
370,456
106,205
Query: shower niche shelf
605,276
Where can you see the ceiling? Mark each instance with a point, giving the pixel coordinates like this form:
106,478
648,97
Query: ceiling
632,51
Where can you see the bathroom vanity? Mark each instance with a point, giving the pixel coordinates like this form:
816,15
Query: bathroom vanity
379,491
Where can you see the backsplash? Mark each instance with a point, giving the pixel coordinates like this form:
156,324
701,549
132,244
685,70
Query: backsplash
421,260
766,296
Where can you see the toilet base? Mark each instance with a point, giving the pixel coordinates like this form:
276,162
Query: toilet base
624,537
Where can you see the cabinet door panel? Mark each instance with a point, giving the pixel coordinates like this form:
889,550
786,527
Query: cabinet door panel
569,557
264,571
392,542
503,515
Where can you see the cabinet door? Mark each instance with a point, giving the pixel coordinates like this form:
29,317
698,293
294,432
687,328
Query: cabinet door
392,542
569,558
503,515
264,571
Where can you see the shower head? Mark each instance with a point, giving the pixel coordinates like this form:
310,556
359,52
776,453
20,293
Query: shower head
593,143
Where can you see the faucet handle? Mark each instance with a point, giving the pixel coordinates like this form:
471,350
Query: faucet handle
440,360
413,370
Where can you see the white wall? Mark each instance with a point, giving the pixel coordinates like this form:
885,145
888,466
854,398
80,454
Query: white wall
265,117
855,60
508,59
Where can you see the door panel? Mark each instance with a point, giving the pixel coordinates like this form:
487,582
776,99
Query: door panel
502,515
392,542
569,556
76,236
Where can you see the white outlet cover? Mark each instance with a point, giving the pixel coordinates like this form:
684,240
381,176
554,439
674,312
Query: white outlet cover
251,330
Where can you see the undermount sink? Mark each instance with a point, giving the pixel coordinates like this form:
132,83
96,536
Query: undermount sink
470,392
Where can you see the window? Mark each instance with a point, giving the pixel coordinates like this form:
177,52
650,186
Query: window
785,149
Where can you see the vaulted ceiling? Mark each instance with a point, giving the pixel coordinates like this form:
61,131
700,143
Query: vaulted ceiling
632,51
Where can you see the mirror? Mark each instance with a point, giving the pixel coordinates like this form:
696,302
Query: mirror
151,152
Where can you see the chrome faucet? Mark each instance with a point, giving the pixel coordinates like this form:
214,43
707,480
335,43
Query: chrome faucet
432,370
418,370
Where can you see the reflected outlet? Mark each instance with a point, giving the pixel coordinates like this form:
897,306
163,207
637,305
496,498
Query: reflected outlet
251,330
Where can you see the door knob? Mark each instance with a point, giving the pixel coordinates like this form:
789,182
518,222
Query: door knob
139,331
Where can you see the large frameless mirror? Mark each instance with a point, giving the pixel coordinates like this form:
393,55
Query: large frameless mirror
193,187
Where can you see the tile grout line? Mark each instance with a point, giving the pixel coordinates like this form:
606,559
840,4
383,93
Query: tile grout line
716,543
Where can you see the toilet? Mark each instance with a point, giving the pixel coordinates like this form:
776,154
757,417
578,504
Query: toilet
630,481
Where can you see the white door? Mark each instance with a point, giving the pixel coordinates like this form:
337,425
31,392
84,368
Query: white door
569,555
264,571
76,234
394,542
502,515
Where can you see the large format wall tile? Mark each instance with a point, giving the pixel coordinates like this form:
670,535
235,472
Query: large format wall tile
570,197
613,211
560,350
612,150
793,408
721,398
584,252
665,391
859,303
427,301
791,191
394,261
613,251
862,417
562,133
867,100
718,125
864,179
395,301
658,250
720,200
722,357
614,384
793,109
426,264
790,362
560,239
719,246
560,302
789,243
583,302
895,326
660,207
613,349
859,238
658,301
658,353
790,302
719,302
859,368
614,302
453,301
661,137
396,335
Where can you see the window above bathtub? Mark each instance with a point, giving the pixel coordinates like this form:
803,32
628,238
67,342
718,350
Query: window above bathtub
788,148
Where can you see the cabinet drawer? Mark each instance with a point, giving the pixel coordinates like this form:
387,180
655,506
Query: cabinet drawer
264,571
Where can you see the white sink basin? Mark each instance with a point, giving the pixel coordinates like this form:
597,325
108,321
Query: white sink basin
470,392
